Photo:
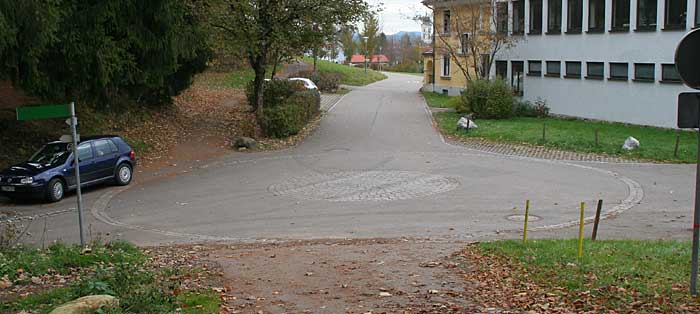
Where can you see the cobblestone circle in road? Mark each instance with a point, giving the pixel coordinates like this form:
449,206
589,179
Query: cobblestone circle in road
365,186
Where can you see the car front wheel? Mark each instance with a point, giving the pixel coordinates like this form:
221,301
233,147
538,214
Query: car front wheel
123,175
55,190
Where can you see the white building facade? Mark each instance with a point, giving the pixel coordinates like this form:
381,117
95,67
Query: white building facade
427,31
599,59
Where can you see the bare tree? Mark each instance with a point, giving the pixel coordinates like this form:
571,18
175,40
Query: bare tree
473,39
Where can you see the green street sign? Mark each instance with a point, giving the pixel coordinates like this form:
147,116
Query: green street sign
42,112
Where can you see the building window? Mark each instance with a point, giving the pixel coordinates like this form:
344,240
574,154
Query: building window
445,66
669,73
621,15
573,69
675,14
519,17
574,16
644,72
553,68
618,71
594,70
534,68
516,77
502,17
501,69
485,65
554,16
464,43
446,21
596,16
536,16
646,14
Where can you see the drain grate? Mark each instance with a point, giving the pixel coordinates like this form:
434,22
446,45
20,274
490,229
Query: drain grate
519,217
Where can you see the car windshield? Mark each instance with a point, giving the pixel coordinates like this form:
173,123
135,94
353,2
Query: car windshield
51,154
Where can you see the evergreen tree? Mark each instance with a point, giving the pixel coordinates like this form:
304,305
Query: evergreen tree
101,52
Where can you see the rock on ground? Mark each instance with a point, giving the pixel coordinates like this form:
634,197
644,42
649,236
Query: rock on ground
246,142
466,123
631,143
86,305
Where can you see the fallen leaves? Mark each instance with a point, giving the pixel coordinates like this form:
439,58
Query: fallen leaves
503,284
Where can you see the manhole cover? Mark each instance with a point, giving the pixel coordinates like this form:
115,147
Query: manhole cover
365,186
522,218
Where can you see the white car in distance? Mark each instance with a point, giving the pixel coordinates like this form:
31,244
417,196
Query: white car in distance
309,84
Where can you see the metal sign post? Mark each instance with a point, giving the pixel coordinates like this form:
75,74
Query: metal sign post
696,227
688,66
76,160
60,111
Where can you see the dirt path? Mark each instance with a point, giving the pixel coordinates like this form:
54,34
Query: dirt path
343,276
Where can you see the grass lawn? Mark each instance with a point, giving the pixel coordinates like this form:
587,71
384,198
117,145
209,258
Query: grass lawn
62,273
578,135
437,100
349,75
651,272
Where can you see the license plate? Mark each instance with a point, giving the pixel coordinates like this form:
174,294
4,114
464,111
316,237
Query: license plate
7,188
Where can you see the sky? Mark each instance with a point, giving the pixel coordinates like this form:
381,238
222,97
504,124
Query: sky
397,13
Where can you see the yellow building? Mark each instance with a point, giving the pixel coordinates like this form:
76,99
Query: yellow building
450,63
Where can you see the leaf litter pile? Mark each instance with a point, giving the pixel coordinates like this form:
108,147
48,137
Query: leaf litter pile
509,278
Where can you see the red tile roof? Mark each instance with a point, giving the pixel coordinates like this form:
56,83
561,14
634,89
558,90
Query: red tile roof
375,59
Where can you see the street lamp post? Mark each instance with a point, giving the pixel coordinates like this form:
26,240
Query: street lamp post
365,38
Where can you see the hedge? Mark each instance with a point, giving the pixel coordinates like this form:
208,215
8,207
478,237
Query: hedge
287,107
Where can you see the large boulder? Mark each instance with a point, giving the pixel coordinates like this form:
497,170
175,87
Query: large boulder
86,305
244,142
465,123
631,143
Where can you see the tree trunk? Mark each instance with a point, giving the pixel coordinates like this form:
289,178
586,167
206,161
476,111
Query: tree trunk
315,58
259,69
274,69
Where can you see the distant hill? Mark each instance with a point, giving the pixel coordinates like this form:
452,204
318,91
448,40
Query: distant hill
402,33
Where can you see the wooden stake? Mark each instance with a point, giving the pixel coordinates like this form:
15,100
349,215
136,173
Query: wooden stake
544,132
580,232
675,151
596,137
527,215
597,220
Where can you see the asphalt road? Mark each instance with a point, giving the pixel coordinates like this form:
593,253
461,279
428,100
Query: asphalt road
376,168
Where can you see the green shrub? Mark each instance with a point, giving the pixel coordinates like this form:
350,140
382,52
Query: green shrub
325,81
462,106
491,99
274,91
291,115
527,109
523,108
406,66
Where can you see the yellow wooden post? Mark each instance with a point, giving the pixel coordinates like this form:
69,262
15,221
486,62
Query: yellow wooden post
580,232
527,215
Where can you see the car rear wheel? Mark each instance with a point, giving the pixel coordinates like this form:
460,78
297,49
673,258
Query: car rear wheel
123,175
55,190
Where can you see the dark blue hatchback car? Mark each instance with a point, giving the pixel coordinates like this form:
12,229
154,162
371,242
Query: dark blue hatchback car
50,172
